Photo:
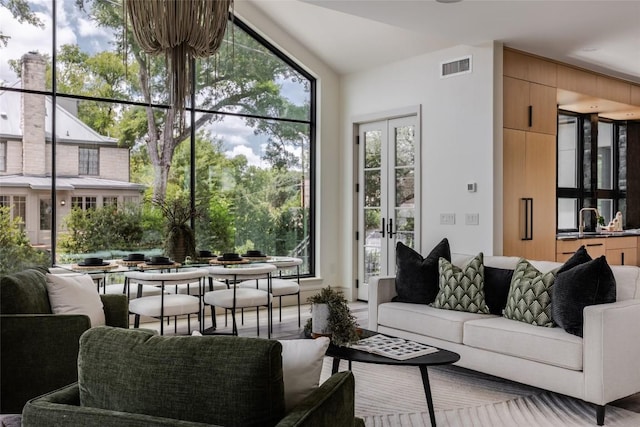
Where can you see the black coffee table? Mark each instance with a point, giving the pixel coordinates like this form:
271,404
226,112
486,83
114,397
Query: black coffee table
441,357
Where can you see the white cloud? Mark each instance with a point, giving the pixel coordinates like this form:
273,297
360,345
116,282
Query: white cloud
252,158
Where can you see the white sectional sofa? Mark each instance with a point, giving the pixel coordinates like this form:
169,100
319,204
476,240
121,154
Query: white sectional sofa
601,367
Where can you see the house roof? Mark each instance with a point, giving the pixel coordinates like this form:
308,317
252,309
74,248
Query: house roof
67,183
69,128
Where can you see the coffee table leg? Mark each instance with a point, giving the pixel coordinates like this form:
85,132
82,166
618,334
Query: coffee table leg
427,392
335,366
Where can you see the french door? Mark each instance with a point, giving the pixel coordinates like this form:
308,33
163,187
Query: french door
388,196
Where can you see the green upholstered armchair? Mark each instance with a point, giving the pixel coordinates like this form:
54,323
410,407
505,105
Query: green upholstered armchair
39,350
137,378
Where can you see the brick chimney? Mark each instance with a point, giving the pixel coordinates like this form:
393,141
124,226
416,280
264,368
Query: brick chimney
33,115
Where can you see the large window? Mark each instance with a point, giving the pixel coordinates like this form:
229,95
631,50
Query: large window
88,161
591,168
243,155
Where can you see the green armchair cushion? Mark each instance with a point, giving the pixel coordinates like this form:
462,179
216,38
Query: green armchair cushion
216,380
24,292
331,404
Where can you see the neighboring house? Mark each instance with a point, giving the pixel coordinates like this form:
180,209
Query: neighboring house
92,171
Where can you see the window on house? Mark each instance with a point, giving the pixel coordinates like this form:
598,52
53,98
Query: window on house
3,156
84,202
591,168
18,205
110,201
88,161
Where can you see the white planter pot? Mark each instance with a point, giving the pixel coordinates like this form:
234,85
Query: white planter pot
320,319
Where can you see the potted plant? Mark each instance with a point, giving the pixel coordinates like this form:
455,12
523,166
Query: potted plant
180,241
330,311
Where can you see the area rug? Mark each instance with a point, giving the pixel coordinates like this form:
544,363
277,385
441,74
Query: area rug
390,396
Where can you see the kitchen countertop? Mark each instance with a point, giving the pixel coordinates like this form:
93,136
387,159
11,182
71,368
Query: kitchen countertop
593,235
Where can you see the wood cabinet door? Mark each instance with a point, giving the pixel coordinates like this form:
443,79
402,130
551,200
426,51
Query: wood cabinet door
544,109
516,104
540,184
514,151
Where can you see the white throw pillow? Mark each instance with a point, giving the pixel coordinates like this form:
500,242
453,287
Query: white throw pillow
301,368
75,294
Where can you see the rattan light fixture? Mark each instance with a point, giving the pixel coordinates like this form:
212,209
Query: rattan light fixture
181,30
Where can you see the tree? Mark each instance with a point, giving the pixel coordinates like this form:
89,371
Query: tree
240,79
16,253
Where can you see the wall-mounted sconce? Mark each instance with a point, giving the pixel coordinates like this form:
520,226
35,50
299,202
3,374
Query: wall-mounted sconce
63,202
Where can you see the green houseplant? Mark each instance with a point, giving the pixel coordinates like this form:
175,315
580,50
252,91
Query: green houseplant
180,240
341,324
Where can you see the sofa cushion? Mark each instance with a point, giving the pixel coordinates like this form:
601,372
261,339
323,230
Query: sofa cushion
75,294
462,289
136,371
426,320
24,292
552,346
529,297
417,277
497,282
301,368
586,284
579,257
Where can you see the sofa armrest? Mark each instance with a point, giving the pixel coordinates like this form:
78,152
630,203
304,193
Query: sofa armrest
333,403
611,351
381,289
116,310
62,407
39,354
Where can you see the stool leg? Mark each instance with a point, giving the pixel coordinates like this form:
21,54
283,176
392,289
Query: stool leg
258,319
280,307
136,322
298,309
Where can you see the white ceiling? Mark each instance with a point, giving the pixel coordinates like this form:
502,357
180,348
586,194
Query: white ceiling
352,35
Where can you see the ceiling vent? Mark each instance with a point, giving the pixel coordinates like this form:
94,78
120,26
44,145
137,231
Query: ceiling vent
455,67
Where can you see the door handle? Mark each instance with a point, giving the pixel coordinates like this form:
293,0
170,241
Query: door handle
382,230
527,220
530,115
390,229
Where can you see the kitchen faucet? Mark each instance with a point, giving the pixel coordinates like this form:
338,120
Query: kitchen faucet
581,219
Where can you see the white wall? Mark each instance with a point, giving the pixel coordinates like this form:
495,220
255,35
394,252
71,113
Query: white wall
458,133
461,143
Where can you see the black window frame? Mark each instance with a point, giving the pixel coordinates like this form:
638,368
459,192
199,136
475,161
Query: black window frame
588,195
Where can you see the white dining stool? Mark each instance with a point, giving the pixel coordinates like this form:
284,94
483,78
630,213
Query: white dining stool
280,287
167,305
235,297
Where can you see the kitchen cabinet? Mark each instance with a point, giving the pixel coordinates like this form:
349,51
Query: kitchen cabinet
622,250
618,250
529,68
529,196
529,106
566,248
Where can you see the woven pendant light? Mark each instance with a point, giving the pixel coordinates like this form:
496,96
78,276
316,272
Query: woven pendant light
181,30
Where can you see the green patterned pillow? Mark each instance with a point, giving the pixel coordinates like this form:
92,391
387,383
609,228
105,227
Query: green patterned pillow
462,289
529,297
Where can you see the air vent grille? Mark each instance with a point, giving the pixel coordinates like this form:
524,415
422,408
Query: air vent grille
455,67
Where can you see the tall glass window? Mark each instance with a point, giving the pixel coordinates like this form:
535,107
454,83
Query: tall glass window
595,151
244,155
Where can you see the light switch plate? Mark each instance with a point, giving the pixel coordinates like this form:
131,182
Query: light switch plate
447,219
472,219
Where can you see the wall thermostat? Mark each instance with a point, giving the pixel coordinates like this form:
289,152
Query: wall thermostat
472,187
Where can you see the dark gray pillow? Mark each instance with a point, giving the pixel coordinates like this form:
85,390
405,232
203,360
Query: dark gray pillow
496,288
579,257
586,284
417,278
